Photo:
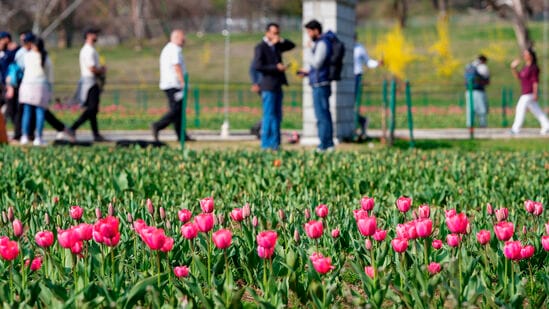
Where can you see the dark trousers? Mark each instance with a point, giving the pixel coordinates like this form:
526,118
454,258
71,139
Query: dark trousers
15,113
90,113
173,115
53,121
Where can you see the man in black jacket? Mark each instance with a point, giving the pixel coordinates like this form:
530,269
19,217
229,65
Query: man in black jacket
268,61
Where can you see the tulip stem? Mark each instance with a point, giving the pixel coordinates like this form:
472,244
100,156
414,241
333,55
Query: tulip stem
512,278
426,252
158,267
265,290
112,268
192,255
372,255
459,271
209,260
11,280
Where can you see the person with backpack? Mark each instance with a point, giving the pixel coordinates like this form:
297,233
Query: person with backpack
325,65
268,62
529,82
477,77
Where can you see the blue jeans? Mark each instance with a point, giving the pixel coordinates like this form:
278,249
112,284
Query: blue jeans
272,117
321,103
25,123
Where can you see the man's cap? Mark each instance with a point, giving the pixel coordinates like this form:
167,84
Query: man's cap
93,30
4,35
29,37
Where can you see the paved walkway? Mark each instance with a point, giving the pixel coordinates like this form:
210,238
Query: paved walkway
244,135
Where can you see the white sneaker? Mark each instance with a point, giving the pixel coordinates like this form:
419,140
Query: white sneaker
60,136
38,141
24,140
544,131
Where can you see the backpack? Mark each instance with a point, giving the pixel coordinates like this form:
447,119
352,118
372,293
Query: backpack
336,59
471,75
15,74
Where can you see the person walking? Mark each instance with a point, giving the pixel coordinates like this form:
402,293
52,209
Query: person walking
360,60
529,83
477,76
172,70
35,90
268,61
319,80
90,85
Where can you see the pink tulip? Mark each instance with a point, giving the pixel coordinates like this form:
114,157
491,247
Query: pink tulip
150,206
369,270
181,271
307,214
296,235
399,244
11,214
321,264
403,203
76,212
314,229
424,211
246,210
367,203
281,215
512,250
66,238
44,239
222,238
17,228
189,230
538,209
207,204
424,227
434,268
527,252
168,245
529,206
265,253
77,247
36,263
380,235
457,223
55,199
161,211
360,214
411,230
483,237
402,231
8,249
545,243
335,233
184,215
450,213
106,231
367,226
368,244
267,239
452,240
204,222
489,209
504,230
84,231
255,221
236,215
437,244
502,214
321,210
153,237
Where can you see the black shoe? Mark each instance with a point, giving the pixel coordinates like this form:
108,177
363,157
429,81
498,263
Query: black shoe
154,132
99,138
189,139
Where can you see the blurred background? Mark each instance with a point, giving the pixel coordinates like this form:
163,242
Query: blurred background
425,42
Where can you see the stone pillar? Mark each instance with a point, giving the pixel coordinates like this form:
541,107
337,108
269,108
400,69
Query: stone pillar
340,17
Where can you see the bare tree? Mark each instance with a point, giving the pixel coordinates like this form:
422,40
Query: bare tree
400,8
516,12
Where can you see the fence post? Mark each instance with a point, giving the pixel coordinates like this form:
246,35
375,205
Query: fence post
116,97
393,112
220,99
409,110
145,103
471,113
183,131
196,107
293,94
504,107
240,98
384,105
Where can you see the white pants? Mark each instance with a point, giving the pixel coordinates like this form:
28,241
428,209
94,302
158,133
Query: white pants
527,101
480,106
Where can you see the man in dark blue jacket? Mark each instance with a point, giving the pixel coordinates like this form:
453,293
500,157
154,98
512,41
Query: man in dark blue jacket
318,72
268,61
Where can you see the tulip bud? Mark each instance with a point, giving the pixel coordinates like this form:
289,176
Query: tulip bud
168,225
296,236
524,230
246,210
150,207
111,210
335,233
129,217
162,213
10,214
4,217
254,221
46,218
220,219
281,214
98,213
307,214
17,228
489,209
55,199
368,244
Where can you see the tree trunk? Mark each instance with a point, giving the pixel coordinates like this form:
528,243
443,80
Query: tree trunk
401,9
516,13
138,19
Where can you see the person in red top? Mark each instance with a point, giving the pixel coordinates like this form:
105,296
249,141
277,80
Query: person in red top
529,83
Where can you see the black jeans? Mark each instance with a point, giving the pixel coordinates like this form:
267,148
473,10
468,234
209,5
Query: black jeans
90,113
173,115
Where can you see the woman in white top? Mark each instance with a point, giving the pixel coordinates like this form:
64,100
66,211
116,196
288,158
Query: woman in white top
35,90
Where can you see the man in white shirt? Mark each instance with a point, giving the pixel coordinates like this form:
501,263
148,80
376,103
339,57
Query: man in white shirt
361,59
91,83
172,70
477,76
